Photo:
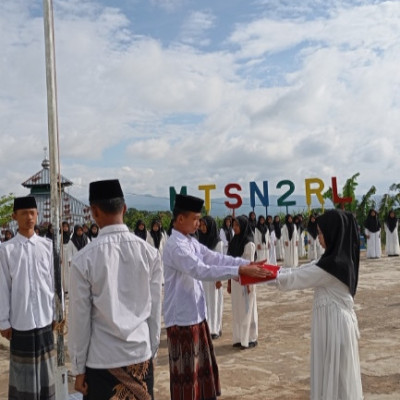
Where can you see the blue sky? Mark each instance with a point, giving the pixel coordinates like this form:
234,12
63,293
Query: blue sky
163,93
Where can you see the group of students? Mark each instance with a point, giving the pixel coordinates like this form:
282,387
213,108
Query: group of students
115,303
372,230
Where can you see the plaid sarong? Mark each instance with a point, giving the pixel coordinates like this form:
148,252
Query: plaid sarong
193,367
32,365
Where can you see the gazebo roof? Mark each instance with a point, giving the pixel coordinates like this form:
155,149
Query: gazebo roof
42,178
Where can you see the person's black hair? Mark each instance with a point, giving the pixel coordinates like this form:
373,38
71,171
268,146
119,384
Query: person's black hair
177,211
110,206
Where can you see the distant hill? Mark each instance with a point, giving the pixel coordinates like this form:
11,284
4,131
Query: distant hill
218,208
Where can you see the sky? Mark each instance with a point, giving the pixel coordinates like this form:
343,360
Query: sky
161,93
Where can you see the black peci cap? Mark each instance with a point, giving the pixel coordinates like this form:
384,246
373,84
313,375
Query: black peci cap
21,203
105,190
185,202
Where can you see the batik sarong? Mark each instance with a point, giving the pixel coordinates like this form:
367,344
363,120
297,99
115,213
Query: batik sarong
192,364
133,382
32,363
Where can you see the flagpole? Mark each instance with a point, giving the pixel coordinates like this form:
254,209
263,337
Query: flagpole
55,182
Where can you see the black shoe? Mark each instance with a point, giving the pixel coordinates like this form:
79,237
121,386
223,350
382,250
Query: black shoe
214,336
237,344
253,344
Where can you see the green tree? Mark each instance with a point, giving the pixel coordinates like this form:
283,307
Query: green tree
6,209
389,201
349,190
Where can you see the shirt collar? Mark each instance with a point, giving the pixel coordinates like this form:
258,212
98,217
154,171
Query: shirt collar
113,229
23,239
181,236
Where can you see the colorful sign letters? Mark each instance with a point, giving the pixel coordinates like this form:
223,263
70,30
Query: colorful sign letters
313,186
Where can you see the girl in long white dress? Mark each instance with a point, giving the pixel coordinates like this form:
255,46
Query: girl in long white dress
77,242
272,241
157,238
315,249
392,247
226,232
66,236
278,235
301,249
290,243
208,235
261,239
335,362
244,301
372,228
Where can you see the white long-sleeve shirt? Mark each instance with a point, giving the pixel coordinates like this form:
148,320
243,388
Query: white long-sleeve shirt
26,283
115,301
186,264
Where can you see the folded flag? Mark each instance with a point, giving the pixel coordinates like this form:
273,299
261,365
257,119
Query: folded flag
248,280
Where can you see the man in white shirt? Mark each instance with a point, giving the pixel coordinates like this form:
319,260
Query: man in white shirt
193,366
27,306
115,305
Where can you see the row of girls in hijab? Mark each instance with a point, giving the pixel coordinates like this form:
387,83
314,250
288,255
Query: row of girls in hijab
276,242
372,230
249,238
156,235
72,243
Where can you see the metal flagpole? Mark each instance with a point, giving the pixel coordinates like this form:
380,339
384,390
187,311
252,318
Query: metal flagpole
55,182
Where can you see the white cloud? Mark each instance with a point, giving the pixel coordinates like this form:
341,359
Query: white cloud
295,98
195,28
168,5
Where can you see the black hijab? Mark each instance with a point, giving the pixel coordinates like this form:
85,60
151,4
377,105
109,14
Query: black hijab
252,222
66,235
289,225
312,226
228,229
211,237
11,234
298,221
79,241
49,233
156,235
262,227
141,233
372,222
91,234
342,253
277,227
238,242
269,223
391,221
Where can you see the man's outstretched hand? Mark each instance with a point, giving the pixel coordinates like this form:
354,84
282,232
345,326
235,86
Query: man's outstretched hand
254,270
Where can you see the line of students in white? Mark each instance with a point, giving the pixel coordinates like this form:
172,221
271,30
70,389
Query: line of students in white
372,230
242,237
262,239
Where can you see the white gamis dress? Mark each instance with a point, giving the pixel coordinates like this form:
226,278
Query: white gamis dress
214,300
335,362
244,306
392,247
290,255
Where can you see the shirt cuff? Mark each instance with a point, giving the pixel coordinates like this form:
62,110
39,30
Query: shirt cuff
5,325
